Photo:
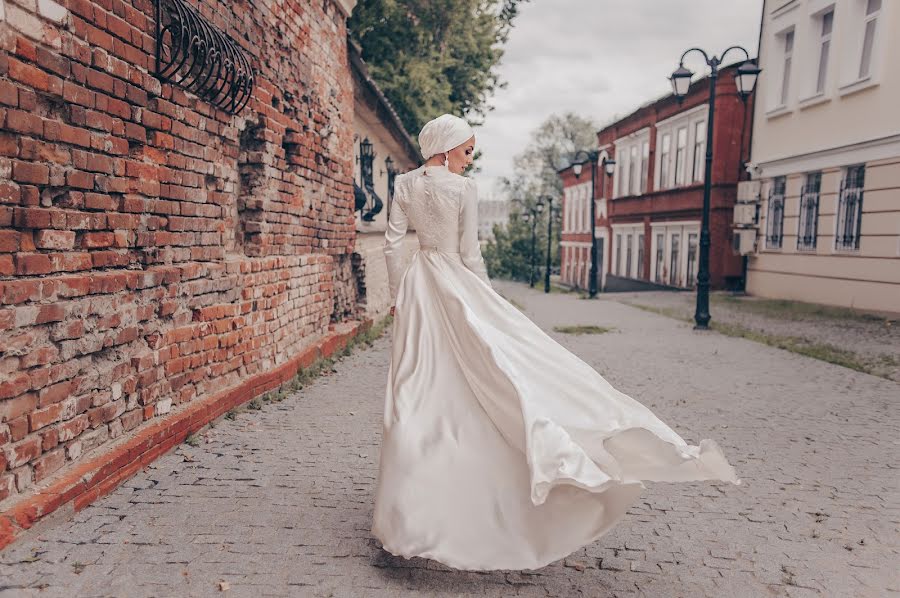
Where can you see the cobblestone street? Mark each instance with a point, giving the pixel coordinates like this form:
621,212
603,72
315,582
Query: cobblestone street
277,502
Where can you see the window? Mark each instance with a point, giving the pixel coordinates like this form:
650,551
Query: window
633,171
628,239
809,212
664,160
788,40
775,213
645,165
692,261
873,9
660,249
680,155
849,212
619,254
640,255
824,48
673,259
699,150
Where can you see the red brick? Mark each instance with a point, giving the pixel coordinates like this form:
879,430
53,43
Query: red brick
28,75
7,266
29,172
71,262
53,62
45,416
13,403
99,201
55,393
34,263
80,179
72,428
97,240
48,463
53,312
9,241
19,291
24,122
32,218
18,428
22,452
54,239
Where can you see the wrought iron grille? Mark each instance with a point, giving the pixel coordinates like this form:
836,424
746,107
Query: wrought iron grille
809,212
367,172
192,53
775,214
849,216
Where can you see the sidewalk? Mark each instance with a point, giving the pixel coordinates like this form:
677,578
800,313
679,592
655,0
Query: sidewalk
277,502
865,342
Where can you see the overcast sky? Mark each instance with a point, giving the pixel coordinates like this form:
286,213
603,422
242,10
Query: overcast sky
600,58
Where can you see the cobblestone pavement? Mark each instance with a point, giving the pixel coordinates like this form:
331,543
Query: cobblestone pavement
278,502
873,341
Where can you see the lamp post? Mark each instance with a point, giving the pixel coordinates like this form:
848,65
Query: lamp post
745,80
552,213
531,215
593,156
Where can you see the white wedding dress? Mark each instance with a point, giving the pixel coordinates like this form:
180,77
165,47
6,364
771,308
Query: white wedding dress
501,449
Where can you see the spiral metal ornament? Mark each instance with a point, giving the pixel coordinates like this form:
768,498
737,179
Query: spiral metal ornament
194,54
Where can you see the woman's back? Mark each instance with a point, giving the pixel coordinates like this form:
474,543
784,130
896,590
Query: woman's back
443,208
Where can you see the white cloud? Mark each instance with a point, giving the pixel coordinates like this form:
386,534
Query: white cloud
600,58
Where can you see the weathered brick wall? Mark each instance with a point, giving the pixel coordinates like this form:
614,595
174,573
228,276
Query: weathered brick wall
154,249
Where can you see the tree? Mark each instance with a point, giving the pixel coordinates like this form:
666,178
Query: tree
434,56
553,145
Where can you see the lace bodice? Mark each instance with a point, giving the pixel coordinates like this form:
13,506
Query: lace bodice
443,208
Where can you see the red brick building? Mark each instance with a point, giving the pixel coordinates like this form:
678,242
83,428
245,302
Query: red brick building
156,250
649,210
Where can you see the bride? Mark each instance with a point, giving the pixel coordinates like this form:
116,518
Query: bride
501,449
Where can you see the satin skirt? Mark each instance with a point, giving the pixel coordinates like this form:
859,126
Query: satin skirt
502,449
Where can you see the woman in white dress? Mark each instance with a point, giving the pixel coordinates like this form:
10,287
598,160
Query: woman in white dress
501,449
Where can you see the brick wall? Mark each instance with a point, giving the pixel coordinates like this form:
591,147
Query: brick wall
154,249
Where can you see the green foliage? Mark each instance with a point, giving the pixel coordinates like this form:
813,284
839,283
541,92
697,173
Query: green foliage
434,56
508,254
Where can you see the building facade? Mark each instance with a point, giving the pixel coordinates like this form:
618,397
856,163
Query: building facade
382,149
826,150
649,211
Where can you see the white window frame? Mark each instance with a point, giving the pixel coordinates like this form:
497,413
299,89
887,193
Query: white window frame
786,66
853,23
624,183
683,228
670,126
823,56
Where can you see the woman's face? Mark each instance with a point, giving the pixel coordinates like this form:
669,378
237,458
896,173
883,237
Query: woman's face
461,156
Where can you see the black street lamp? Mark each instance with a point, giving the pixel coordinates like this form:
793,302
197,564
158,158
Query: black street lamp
593,156
745,80
552,214
531,215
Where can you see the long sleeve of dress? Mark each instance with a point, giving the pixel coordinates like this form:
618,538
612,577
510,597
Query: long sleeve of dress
469,249
398,222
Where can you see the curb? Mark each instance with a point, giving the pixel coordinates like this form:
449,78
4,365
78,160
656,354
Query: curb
86,482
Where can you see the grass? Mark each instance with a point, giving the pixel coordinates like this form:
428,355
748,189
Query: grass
582,329
794,344
796,310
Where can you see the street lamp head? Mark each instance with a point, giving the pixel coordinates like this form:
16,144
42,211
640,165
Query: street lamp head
745,78
366,148
526,217
609,166
389,164
681,81
539,206
576,168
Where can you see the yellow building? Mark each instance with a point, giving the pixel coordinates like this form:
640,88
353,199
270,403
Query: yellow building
382,149
826,150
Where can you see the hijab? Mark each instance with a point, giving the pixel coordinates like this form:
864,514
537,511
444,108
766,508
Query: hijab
443,134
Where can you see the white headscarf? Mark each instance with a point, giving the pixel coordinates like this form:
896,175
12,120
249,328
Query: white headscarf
443,134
